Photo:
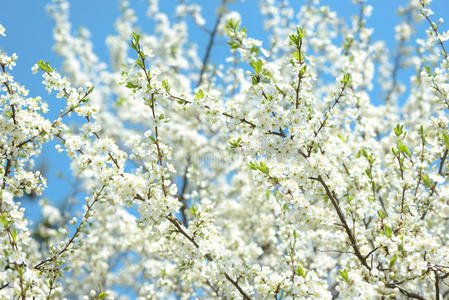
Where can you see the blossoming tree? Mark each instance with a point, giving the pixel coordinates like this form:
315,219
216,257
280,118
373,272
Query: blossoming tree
310,190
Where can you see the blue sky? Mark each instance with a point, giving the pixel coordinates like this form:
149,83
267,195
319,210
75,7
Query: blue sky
29,34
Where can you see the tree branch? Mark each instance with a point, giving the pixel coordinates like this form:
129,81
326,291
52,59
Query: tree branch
348,230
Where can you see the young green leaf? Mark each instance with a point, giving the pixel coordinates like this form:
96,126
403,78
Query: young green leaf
446,139
257,66
393,260
398,130
199,94
344,275
235,143
403,149
387,230
166,86
382,214
44,66
131,85
346,79
426,180
136,38
300,272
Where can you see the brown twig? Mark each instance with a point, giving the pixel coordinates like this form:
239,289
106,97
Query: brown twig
78,230
342,218
210,44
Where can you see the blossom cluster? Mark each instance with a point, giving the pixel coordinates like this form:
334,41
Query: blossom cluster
274,175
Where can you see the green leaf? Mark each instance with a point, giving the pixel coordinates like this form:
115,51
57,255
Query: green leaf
344,275
233,45
387,230
232,25
136,38
368,172
90,90
362,152
140,63
422,134
4,220
259,167
346,79
257,66
252,166
446,139
14,234
300,272
193,210
44,66
403,149
255,50
166,86
347,43
393,260
131,85
395,153
382,214
421,130
398,130
300,32
294,40
235,143
254,80
296,55
199,94
263,168
426,180
132,45
102,295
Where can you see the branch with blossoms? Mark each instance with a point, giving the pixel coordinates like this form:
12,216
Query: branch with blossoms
156,139
275,174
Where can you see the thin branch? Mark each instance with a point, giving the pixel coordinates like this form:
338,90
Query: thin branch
78,230
208,49
435,31
209,257
181,197
323,123
404,291
242,120
235,283
342,218
437,286
170,217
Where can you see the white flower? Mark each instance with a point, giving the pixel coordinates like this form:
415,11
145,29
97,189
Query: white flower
2,30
